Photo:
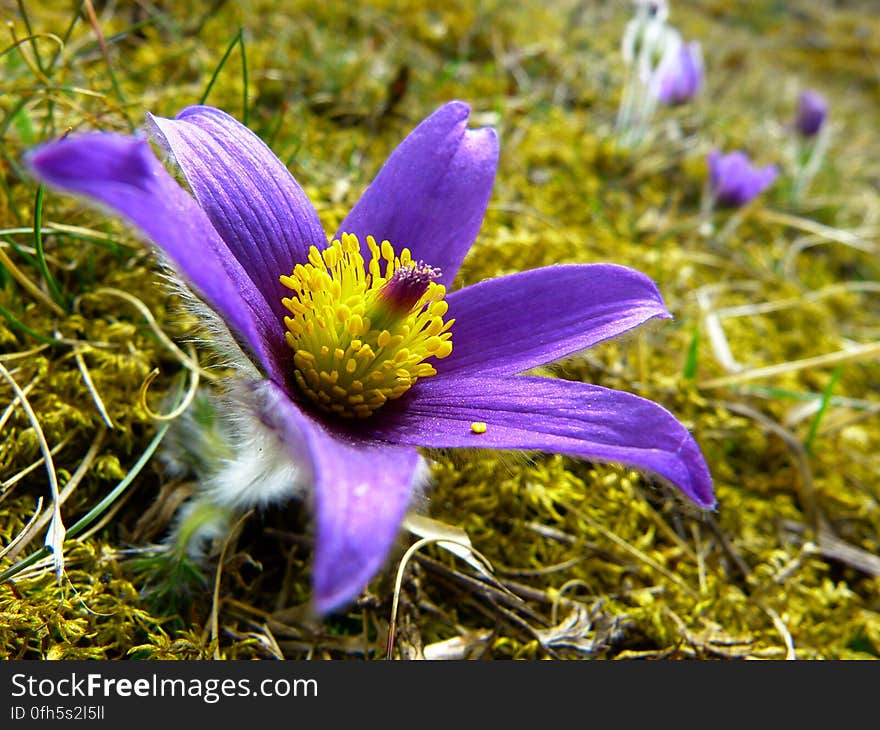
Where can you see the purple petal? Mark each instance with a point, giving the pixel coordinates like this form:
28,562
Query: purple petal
122,173
520,321
812,110
546,414
680,74
432,193
362,489
735,181
256,206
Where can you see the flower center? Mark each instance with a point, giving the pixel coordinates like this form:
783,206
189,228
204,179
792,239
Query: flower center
361,333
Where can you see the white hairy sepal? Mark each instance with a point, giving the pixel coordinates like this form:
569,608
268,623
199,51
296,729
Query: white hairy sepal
238,460
260,468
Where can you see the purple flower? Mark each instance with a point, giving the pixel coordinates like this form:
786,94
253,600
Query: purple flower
680,74
360,357
812,110
735,181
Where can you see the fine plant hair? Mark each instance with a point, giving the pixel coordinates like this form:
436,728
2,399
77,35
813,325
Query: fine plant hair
211,333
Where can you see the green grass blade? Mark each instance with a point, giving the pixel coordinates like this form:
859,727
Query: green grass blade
245,113
41,257
237,41
211,82
826,398
27,24
65,38
21,326
690,364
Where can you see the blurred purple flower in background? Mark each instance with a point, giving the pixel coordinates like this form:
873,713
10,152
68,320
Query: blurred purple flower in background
354,364
647,40
811,114
680,74
735,181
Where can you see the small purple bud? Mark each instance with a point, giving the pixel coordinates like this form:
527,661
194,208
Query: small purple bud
680,74
407,285
812,110
735,181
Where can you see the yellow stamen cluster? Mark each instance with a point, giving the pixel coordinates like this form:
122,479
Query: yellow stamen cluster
354,348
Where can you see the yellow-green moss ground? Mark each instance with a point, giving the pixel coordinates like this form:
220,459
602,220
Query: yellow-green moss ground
598,561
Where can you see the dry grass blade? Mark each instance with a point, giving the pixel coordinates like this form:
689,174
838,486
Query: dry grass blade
191,392
28,285
6,485
90,386
56,532
8,411
790,652
25,531
215,598
72,483
819,229
857,353
469,554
